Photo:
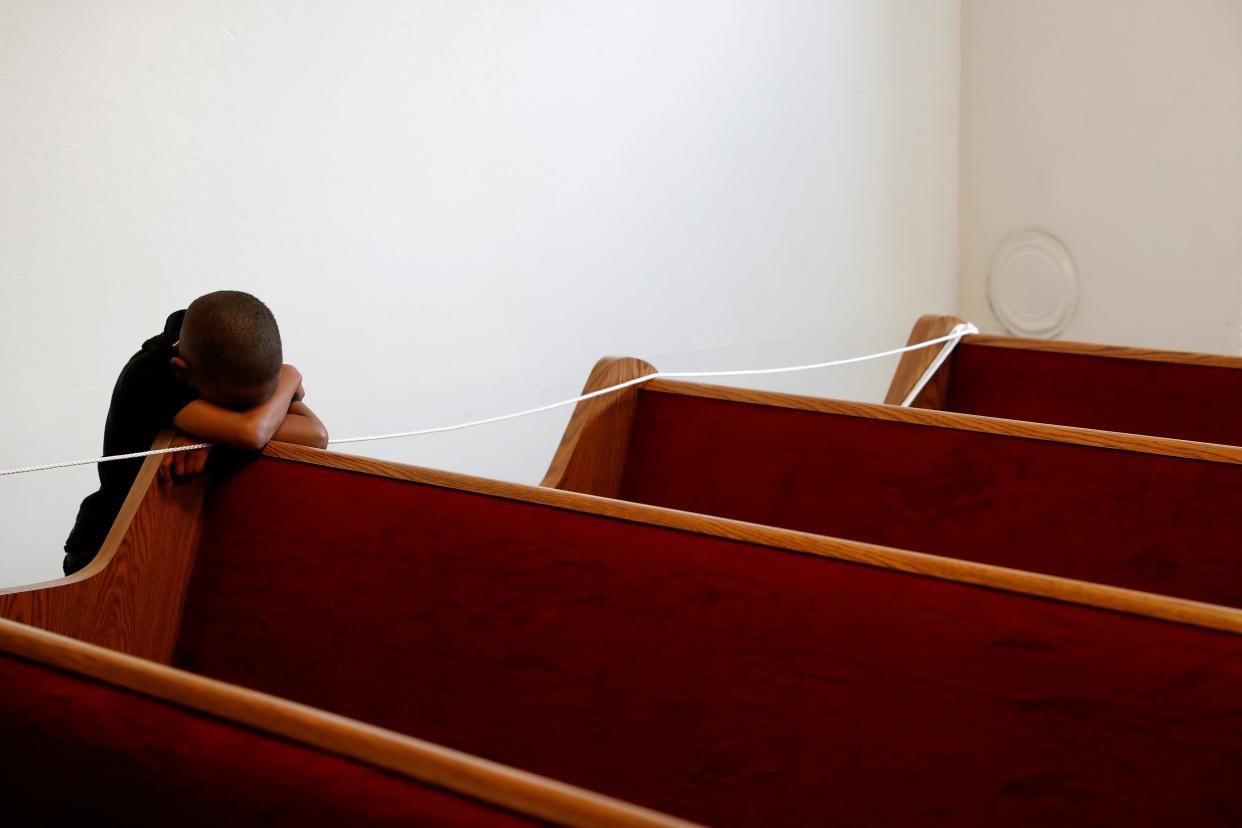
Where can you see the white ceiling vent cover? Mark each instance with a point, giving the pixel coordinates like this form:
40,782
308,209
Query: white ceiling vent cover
1033,286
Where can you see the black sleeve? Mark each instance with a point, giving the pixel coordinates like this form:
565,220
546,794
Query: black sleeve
174,397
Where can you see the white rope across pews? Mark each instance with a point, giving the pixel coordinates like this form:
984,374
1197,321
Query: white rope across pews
949,341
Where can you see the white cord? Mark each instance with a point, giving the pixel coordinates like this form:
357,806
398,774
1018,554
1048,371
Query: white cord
959,330
950,339
107,459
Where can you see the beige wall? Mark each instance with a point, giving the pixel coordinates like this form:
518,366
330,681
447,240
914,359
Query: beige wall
1115,125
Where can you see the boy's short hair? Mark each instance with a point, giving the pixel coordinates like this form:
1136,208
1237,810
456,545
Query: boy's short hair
232,336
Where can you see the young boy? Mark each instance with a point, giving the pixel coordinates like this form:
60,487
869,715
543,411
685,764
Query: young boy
216,373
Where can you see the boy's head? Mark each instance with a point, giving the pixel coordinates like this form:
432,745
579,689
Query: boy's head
229,351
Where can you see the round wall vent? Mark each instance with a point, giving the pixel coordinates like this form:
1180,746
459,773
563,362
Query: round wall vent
1033,285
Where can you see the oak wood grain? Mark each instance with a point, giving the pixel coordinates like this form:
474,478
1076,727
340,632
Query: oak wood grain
944,568
591,455
130,597
914,363
406,756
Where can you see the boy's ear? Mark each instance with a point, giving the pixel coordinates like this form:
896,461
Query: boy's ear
180,368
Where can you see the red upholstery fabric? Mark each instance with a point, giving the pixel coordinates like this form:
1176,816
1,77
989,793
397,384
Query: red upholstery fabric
1191,402
720,681
1160,524
82,752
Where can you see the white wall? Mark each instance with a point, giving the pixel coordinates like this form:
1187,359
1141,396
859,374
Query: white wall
455,208
1115,125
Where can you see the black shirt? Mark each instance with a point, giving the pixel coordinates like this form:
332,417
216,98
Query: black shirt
146,398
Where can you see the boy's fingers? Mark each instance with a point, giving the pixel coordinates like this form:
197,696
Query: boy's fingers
179,464
165,462
200,460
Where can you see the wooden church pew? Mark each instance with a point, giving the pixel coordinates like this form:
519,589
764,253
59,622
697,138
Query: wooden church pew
1149,514
719,671
1133,390
94,737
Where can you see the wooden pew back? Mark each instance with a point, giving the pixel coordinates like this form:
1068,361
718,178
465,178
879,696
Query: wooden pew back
1173,394
1155,515
1144,521
717,678
1093,389
94,737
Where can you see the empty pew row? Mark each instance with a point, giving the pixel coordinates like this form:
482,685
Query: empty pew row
1186,396
1157,515
718,671
92,736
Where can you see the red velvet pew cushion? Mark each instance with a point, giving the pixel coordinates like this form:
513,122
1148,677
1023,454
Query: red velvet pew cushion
75,751
1189,402
1149,522
720,681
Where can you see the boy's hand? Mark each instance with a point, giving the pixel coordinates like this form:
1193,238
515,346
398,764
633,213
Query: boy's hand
181,464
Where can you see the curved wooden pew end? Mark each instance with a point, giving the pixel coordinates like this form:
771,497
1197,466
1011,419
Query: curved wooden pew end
592,452
135,586
915,363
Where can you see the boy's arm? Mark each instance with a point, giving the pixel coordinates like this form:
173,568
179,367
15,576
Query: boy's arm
301,426
249,430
